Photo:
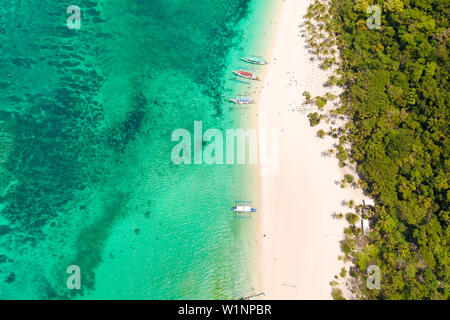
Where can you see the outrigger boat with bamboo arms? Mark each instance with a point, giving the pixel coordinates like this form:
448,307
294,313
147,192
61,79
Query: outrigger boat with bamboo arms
243,209
242,100
245,74
254,60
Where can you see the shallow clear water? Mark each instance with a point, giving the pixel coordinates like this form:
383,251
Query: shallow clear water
86,177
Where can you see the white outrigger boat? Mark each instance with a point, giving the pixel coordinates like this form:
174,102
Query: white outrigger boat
254,60
242,100
243,209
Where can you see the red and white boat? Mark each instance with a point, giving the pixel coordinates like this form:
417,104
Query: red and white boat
245,74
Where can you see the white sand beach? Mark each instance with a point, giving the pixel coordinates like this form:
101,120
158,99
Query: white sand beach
298,236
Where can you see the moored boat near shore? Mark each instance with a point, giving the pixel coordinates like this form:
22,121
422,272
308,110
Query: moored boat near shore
243,209
242,100
245,74
254,60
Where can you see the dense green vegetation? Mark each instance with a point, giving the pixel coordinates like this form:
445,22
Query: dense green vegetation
314,119
396,98
352,218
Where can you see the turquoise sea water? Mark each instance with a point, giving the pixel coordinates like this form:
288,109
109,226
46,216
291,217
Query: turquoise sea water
86,176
